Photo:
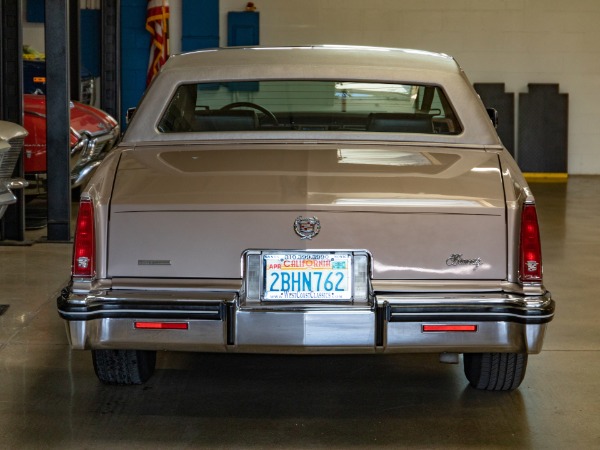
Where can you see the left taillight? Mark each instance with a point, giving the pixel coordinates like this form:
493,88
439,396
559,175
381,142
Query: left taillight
84,250
530,264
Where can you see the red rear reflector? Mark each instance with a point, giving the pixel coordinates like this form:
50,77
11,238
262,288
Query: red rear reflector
161,325
84,248
530,258
440,328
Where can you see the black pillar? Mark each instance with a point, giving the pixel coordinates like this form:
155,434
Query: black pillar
12,225
494,96
74,50
110,86
543,129
57,112
12,67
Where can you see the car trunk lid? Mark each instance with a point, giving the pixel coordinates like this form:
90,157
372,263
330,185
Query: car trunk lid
423,213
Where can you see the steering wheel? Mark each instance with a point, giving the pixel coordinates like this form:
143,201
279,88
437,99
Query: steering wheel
262,109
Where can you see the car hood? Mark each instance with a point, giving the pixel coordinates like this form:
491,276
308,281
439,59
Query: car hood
83,118
90,119
203,205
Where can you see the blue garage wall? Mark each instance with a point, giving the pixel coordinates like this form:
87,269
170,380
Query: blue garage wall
135,45
36,12
200,29
90,31
243,28
200,24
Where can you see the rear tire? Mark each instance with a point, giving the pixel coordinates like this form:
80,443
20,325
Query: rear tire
124,367
495,371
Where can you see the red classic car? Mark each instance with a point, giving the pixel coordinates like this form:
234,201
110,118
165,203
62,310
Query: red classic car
93,134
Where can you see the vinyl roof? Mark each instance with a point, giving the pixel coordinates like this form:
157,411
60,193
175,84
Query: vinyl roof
315,56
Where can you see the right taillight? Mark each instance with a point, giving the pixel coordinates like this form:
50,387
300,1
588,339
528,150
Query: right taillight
530,261
85,247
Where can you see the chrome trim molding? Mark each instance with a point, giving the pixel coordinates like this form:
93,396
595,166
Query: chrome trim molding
482,308
218,321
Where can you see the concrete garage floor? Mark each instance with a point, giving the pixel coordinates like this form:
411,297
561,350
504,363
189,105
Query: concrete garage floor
50,397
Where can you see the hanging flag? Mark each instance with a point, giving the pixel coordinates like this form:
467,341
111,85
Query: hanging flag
157,24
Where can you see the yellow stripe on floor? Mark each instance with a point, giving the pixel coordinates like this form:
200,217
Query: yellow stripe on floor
546,177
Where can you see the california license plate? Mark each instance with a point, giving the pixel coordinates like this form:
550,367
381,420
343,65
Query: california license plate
311,276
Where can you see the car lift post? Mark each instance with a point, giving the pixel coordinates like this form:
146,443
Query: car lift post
12,226
110,87
57,112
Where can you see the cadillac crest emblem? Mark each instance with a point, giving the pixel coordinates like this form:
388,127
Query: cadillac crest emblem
307,227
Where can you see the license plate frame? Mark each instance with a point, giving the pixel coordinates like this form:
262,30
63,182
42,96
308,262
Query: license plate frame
309,276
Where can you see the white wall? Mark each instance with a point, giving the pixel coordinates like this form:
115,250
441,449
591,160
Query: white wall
515,42
33,35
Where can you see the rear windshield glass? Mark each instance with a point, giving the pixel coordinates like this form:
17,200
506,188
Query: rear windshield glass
309,106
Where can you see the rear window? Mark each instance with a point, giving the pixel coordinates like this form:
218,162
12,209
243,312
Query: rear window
309,106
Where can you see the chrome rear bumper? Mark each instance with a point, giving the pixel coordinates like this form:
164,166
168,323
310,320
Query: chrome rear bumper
215,321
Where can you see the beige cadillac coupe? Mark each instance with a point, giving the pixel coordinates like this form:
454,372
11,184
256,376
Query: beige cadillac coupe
309,200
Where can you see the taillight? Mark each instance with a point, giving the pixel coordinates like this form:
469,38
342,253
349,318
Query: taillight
530,263
161,325
465,328
84,248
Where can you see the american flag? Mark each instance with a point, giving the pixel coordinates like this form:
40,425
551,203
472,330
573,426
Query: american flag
157,24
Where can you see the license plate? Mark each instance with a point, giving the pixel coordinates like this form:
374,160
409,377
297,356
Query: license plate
307,276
